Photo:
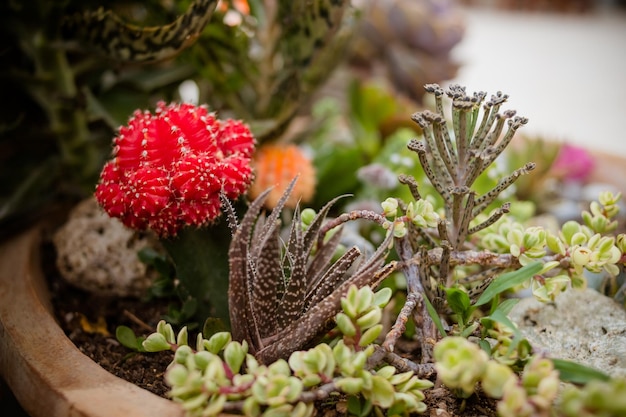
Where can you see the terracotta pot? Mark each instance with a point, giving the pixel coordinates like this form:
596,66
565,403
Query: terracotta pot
48,375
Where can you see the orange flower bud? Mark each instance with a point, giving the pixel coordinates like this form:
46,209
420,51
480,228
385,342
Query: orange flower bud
276,166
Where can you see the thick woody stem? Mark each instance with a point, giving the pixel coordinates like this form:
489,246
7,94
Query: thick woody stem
399,326
467,257
444,266
421,370
481,276
414,303
465,221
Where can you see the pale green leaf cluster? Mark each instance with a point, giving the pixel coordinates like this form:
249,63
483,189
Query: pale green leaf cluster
536,391
566,254
507,344
359,321
596,399
420,213
600,214
462,365
531,394
220,374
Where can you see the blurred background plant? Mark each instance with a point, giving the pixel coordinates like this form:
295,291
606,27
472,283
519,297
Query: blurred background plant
72,80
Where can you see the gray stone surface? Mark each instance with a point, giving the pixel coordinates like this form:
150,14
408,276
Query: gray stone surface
98,254
582,325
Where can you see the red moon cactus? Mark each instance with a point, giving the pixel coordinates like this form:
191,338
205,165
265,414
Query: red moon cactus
169,168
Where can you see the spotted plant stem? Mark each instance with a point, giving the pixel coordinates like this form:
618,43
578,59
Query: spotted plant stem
347,217
438,92
420,148
514,125
410,182
481,276
483,201
495,216
477,164
465,221
491,112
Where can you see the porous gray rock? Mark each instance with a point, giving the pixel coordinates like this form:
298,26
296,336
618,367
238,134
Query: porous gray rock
581,325
99,254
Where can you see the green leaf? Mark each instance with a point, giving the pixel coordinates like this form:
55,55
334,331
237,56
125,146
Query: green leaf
509,280
507,305
212,326
577,373
484,345
127,337
435,317
459,302
382,392
501,318
358,406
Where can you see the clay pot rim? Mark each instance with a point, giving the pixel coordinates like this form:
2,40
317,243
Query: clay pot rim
48,375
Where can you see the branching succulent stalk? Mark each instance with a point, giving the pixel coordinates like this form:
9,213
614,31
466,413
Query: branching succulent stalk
468,243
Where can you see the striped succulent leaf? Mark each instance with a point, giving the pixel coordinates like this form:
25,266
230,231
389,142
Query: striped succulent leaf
282,297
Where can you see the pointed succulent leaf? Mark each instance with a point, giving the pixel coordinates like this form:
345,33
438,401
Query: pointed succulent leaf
267,284
240,311
235,354
370,319
370,335
333,277
182,337
345,325
156,342
382,297
217,342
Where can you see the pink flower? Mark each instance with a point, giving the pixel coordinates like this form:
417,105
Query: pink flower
573,163
169,168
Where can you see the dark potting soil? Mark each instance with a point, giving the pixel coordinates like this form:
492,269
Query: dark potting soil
90,321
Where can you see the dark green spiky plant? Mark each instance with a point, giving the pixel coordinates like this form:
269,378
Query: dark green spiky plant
283,298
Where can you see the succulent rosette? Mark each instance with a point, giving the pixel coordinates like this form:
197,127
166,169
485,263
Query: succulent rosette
169,168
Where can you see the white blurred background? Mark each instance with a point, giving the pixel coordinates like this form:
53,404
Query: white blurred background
565,71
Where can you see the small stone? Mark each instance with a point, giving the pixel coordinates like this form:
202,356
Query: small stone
583,326
98,253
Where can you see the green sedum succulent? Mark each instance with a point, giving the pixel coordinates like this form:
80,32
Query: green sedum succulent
221,375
